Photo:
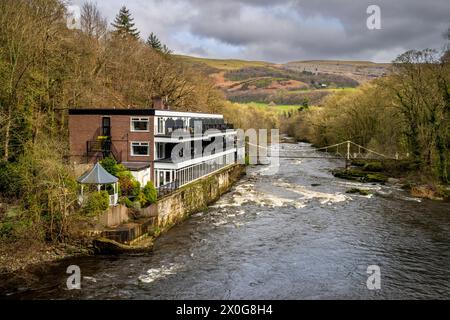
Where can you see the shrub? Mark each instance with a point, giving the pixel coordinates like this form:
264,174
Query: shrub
13,228
128,185
97,203
141,200
6,228
126,202
10,180
150,193
110,165
136,205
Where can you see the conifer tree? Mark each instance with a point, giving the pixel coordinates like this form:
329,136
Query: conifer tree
124,24
154,42
166,50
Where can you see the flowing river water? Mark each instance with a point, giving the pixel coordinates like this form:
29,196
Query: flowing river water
292,235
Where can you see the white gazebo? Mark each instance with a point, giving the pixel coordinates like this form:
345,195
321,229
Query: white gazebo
99,176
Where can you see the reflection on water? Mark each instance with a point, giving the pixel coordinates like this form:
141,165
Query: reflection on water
293,235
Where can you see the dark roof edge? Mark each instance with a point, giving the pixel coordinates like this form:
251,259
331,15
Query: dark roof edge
132,112
136,166
126,112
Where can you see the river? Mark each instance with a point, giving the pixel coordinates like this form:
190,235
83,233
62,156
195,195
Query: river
292,235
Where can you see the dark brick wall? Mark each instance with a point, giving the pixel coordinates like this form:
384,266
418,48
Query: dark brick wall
83,128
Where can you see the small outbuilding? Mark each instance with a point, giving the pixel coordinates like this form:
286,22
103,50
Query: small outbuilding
100,177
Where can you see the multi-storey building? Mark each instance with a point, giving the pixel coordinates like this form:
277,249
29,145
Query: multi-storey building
157,144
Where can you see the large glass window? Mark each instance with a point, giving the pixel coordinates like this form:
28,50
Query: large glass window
140,149
139,124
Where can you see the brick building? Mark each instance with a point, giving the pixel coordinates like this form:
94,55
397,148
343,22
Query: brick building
157,144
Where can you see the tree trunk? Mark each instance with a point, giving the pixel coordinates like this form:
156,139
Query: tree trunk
7,134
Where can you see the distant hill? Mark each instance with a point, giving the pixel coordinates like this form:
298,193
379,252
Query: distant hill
360,71
292,83
224,64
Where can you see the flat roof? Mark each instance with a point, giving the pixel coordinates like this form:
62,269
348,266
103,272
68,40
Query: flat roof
141,112
136,166
112,111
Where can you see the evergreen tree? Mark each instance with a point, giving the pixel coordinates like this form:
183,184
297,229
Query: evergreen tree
124,24
166,50
153,42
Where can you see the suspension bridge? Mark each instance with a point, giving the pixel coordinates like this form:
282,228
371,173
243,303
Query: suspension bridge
346,150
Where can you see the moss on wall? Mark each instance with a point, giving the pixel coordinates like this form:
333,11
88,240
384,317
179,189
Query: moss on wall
196,196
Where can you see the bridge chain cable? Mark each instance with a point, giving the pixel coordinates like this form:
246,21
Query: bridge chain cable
349,155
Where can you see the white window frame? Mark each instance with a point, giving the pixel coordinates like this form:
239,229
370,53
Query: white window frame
140,119
157,146
162,127
164,172
141,144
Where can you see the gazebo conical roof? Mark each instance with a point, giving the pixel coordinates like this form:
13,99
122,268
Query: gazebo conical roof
98,175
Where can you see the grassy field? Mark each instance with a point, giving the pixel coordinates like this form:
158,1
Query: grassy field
331,90
356,63
265,106
225,64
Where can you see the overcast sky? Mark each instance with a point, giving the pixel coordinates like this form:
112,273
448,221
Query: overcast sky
287,30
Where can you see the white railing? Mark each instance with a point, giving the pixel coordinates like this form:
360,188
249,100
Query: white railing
113,199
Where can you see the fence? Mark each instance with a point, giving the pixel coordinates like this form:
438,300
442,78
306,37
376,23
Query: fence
168,188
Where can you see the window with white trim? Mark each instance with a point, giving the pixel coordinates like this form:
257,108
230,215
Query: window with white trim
140,149
139,124
160,152
160,126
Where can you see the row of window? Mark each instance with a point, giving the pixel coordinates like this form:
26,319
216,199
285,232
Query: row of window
143,149
191,173
142,124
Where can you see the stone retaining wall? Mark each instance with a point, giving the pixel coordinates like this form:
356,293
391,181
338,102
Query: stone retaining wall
196,196
175,207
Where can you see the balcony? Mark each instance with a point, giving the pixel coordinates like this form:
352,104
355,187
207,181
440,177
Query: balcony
227,156
195,125
103,146
197,155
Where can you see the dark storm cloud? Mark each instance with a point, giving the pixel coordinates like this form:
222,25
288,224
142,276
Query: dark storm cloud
290,30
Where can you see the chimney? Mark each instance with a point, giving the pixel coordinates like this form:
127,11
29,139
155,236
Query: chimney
160,103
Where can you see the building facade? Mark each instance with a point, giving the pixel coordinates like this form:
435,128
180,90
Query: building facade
167,147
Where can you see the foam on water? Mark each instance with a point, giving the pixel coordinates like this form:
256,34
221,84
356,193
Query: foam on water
308,194
158,273
246,193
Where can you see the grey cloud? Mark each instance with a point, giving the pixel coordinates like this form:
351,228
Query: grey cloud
291,29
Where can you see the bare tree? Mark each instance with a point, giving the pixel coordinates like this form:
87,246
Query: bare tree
92,22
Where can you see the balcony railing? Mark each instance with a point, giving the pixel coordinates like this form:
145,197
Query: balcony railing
113,199
167,188
204,127
168,159
106,147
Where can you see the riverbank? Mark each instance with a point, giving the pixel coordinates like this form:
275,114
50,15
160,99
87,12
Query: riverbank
14,258
398,172
295,234
89,239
